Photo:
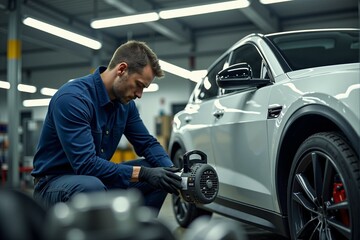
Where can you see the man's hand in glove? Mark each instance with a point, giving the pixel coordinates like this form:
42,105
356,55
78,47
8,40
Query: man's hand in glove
161,177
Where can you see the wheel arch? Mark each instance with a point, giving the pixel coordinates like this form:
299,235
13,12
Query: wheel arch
176,145
303,123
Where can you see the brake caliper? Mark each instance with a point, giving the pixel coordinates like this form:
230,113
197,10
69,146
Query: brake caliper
339,195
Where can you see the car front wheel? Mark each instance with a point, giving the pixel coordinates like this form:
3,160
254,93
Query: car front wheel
185,213
324,190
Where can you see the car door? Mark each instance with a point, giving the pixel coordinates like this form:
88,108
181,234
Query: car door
239,137
197,118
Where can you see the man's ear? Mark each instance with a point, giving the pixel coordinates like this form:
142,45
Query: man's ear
122,67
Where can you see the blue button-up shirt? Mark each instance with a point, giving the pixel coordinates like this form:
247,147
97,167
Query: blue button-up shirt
82,129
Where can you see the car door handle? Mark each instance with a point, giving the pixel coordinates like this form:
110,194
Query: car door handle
188,119
218,113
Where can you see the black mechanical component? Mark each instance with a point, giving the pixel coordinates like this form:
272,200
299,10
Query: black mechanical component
200,182
111,215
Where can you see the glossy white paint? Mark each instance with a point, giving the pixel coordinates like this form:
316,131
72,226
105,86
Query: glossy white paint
243,144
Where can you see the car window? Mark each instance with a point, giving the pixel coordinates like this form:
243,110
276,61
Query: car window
250,55
208,88
315,49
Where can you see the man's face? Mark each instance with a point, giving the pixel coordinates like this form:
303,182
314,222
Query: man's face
129,87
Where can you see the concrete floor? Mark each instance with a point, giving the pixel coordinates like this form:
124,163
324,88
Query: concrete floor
247,232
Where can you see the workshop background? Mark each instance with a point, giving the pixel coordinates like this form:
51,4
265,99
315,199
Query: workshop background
39,62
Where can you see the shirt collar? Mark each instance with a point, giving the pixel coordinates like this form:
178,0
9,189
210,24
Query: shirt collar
100,87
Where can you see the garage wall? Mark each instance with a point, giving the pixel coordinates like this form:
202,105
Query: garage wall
172,90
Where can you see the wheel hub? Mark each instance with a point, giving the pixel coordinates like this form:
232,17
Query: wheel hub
321,214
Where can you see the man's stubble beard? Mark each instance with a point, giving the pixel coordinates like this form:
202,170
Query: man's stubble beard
118,97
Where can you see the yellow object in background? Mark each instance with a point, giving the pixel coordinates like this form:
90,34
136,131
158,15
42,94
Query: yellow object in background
14,49
123,155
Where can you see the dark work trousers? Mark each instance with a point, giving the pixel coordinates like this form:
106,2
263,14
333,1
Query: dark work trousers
53,189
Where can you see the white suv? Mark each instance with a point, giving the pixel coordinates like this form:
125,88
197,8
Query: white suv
278,116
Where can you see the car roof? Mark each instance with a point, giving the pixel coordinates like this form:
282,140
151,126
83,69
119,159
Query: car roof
312,30
254,36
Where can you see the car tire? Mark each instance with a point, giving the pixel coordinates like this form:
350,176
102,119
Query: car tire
185,213
324,189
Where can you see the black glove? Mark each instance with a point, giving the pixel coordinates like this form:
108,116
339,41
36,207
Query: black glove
162,177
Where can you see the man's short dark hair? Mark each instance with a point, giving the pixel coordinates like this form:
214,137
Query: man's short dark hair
137,55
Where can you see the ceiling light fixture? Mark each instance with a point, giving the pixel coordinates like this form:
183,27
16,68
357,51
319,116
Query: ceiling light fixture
194,76
203,9
60,32
126,20
173,69
167,14
197,75
273,1
4,85
48,91
26,88
36,102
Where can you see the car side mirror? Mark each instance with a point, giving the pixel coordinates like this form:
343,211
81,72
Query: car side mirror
239,76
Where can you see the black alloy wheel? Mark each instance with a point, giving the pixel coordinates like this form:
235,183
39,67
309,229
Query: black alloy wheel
324,190
185,213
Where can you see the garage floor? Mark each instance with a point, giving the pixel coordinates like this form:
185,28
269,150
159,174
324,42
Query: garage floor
166,215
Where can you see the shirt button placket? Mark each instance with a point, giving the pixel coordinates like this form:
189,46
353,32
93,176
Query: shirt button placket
107,134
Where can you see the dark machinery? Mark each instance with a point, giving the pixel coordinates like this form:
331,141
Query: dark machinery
200,182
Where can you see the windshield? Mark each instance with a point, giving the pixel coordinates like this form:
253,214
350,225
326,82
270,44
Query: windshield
318,48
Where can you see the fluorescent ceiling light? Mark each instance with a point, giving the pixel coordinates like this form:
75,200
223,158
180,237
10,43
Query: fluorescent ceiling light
194,76
48,91
152,88
197,75
202,9
26,88
71,36
126,20
171,68
36,102
273,1
4,84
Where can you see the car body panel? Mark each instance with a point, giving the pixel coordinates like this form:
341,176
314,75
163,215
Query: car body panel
198,138
246,134
245,116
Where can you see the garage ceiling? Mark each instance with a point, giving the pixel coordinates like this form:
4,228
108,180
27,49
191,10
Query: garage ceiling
173,34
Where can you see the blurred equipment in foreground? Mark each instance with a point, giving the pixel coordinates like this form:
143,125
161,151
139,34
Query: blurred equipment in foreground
21,218
113,215
205,228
